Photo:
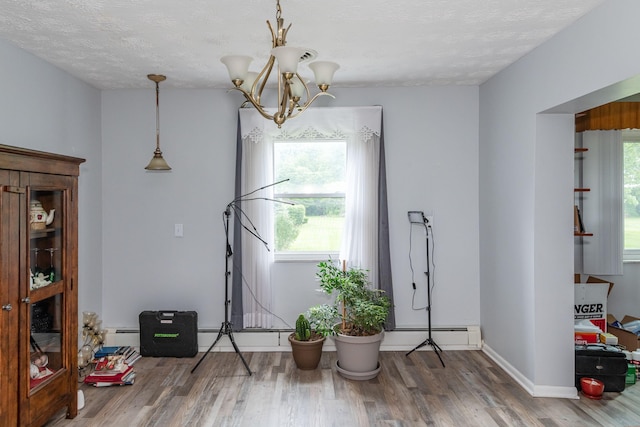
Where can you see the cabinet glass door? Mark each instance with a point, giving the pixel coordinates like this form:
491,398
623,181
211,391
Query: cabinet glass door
46,284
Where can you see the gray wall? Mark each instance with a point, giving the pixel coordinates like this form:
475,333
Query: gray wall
431,137
44,108
625,296
526,244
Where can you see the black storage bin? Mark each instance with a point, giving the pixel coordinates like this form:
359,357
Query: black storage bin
168,333
610,367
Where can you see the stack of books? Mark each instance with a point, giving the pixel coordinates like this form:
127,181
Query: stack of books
113,366
131,355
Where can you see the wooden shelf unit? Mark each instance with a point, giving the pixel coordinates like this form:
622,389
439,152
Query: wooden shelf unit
578,190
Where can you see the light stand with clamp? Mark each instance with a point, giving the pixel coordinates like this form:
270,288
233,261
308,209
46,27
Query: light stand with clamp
417,217
226,329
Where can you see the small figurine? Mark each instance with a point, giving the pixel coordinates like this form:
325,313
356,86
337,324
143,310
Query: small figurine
39,280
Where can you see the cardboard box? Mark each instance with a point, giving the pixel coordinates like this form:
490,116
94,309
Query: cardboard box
626,338
593,279
590,301
577,278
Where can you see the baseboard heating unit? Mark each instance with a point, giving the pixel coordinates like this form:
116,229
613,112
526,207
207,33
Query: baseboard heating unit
449,338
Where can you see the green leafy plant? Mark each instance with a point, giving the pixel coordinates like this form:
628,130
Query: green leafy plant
363,309
303,329
323,318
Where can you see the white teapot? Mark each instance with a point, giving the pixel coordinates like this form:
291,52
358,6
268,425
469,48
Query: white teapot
39,218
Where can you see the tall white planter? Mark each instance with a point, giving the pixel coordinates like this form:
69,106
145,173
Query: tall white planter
358,356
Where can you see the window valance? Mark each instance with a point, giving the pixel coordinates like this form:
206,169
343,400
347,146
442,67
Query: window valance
314,123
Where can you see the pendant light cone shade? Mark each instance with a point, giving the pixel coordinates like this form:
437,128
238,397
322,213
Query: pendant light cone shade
157,163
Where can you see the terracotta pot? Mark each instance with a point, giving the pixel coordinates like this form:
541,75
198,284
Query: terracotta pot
306,354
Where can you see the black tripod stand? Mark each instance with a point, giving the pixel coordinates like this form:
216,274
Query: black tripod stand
429,340
234,205
226,329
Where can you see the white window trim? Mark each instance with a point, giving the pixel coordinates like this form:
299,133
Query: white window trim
304,256
309,195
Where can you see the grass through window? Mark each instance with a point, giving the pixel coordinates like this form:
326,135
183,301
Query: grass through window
320,233
632,232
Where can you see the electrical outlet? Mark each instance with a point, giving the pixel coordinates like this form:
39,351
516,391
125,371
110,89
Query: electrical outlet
178,230
429,220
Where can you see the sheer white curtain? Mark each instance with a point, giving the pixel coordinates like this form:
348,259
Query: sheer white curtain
361,127
602,207
257,215
360,236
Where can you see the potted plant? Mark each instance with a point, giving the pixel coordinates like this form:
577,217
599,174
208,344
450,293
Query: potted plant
361,312
306,344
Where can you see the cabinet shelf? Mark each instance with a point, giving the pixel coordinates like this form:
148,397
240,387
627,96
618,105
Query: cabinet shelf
37,384
40,294
36,234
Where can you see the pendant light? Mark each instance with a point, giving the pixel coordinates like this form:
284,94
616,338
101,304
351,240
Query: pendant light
157,163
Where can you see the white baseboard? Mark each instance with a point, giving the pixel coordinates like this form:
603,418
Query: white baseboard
458,338
533,389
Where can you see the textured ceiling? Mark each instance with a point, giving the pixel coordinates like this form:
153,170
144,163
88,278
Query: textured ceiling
116,43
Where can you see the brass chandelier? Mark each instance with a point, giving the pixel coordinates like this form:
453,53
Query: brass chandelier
294,95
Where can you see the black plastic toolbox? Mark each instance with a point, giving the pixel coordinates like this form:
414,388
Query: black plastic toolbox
610,367
168,333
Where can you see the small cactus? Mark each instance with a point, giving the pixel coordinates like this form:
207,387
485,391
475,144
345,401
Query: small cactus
303,329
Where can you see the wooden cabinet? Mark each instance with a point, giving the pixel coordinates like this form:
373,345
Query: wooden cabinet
38,285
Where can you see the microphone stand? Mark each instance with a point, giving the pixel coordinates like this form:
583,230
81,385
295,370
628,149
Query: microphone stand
226,327
429,340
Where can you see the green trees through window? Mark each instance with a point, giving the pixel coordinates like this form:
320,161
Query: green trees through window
317,174
631,194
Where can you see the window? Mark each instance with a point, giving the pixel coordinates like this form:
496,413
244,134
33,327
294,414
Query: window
331,137
316,173
631,139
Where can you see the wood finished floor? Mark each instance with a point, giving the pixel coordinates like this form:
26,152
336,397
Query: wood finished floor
409,391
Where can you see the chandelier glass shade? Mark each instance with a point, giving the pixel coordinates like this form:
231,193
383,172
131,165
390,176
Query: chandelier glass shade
294,95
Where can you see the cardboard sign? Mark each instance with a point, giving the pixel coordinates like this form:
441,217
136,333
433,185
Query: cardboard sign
590,303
